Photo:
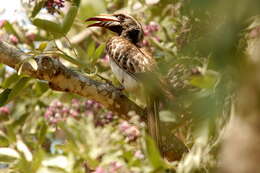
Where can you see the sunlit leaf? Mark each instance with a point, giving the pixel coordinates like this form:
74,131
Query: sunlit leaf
58,161
8,154
167,116
152,1
33,63
24,149
204,81
42,46
19,72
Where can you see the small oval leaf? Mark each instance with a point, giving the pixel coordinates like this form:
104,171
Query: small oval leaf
33,63
42,46
19,86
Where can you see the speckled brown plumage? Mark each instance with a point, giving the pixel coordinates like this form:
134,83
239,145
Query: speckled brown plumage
129,57
132,66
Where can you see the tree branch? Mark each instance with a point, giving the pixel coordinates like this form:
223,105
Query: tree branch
61,78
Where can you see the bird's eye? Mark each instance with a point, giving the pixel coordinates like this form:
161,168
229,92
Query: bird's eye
120,17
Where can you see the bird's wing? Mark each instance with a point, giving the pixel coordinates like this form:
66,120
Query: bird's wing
137,63
129,57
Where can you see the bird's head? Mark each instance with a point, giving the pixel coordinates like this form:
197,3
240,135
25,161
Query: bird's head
122,24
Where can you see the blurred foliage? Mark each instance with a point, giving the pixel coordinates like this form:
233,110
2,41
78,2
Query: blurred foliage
199,46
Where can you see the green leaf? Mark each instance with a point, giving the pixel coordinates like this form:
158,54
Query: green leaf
91,50
38,156
8,155
22,147
48,25
32,62
19,72
153,154
3,141
69,19
42,46
11,134
2,72
10,29
42,132
59,162
206,81
37,8
167,116
19,86
98,53
20,121
4,96
41,87
73,60
10,80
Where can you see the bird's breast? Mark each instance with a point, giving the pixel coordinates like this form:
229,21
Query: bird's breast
126,61
129,83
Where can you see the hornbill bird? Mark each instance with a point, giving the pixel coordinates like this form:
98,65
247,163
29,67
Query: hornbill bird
133,66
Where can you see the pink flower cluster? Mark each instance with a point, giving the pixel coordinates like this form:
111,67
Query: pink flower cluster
116,166
128,130
13,39
53,5
149,31
113,167
151,28
58,111
30,36
105,60
4,110
2,23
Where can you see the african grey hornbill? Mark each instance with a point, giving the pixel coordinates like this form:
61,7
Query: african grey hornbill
133,66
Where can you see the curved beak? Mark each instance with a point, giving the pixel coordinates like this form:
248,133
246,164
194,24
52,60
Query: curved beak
102,20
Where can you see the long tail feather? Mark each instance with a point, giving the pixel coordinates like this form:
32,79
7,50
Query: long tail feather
153,120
